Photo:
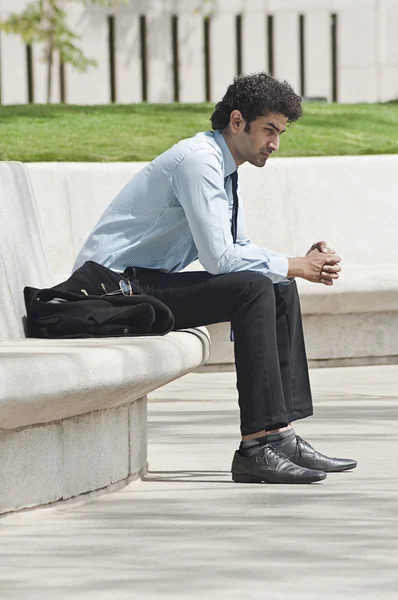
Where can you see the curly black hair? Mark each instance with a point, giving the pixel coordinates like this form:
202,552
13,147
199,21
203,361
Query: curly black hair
256,95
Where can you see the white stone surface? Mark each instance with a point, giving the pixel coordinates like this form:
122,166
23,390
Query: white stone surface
92,86
366,335
254,41
286,43
77,195
14,90
362,336
354,293
317,54
95,449
303,5
61,460
48,380
358,62
138,435
278,198
389,83
30,467
222,349
191,57
222,52
332,198
52,183
127,57
159,51
23,257
13,68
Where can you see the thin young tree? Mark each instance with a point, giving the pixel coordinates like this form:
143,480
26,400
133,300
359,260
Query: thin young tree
45,21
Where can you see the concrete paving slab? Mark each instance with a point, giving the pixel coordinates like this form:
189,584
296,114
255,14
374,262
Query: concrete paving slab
188,532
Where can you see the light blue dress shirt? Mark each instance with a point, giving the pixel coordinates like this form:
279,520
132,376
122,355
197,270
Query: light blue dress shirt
178,209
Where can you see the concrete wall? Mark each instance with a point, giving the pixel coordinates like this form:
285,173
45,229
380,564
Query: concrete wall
291,203
366,50
60,460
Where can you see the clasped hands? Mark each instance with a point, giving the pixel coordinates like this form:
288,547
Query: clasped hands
319,265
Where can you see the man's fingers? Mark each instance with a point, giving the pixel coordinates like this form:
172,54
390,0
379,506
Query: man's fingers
331,268
317,246
323,247
333,259
320,246
327,275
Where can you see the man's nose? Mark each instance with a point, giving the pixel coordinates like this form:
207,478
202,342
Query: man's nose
274,145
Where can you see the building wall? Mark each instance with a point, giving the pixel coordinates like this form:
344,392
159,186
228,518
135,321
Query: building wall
189,50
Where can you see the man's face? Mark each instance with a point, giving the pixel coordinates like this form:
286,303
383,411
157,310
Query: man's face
256,145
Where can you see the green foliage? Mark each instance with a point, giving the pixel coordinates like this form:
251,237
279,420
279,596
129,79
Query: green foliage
3,155
45,21
137,132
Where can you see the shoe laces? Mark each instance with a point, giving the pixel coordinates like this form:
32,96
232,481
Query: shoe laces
302,445
272,451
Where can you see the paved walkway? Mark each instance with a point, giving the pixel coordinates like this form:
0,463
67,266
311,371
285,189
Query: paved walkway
188,532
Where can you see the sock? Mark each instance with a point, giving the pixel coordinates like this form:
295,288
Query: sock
251,447
282,438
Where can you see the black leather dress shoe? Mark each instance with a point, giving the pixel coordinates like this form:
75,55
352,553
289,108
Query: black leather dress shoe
301,453
270,466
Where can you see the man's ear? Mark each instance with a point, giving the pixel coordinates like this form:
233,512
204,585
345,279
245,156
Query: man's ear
236,121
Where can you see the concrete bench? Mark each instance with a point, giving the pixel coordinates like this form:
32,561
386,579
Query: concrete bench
72,412
349,201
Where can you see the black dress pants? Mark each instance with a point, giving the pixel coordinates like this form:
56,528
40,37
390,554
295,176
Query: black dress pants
270,358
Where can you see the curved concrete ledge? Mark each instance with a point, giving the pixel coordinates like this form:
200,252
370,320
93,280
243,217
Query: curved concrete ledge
73,412
367,337
359,290
49,380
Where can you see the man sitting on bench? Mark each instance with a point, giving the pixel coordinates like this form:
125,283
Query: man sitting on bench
185,205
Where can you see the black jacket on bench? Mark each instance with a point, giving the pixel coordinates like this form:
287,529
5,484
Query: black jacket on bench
65,311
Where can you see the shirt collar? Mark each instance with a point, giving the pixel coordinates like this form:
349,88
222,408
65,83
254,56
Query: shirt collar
229,161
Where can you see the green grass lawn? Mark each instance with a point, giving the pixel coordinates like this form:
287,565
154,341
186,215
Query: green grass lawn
33,133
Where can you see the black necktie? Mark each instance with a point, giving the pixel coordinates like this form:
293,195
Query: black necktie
234,227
